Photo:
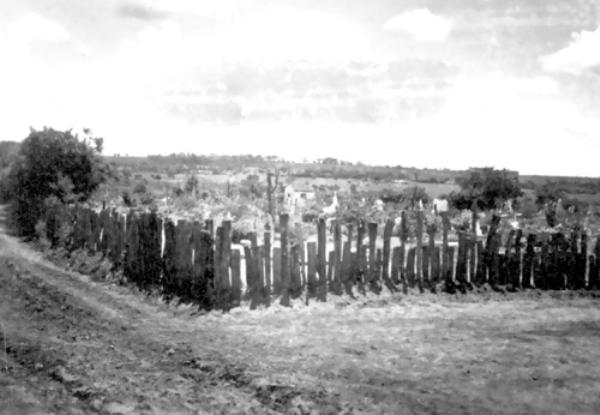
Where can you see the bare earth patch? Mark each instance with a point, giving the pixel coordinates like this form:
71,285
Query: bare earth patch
77,346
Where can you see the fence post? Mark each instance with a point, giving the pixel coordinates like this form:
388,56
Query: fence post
267,256
419,256
387,244
541,279
582,261
528,262
430,267
446,267
251,278
404,231
226,258
492,248
347,263
361,265
506,269
461,263
295,274
185,265
132,251
276,270
593,270
410,267
561,262
302,261
236,280
202,291
150,249
218,269
110,234
473,245
594,279
336,286
311,289
285,265
256,294
330,260
570,262
396,265
379,264
517,264
209,225
169,259
263,294
322,259
373,277
93,230
105,222
445,229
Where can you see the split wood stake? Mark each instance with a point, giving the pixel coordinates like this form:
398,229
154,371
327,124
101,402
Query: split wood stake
5,349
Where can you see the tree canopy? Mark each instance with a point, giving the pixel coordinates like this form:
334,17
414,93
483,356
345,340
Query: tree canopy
487,188
53,163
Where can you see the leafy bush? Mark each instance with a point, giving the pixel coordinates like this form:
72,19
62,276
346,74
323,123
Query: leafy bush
146,198
140,188
412,195
548,193
252,187
53,163
486,187
127,200
528,207
191,184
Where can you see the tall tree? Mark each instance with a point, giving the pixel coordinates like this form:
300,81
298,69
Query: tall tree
487,188
57,164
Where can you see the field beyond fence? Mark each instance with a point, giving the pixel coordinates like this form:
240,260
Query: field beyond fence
198,263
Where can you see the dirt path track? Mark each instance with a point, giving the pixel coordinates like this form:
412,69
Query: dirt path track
75,346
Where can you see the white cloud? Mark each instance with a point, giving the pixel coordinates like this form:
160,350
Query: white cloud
581,54
270,37
520,123
217,9
421,24
292,34
34,27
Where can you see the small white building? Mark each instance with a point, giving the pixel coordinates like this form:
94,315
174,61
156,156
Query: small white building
439,205
297,198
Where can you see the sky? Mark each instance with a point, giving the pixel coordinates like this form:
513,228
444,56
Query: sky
430,83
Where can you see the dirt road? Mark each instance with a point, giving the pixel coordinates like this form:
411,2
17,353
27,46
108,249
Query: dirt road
77,346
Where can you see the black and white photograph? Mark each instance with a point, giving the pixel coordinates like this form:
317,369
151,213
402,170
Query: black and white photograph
299,207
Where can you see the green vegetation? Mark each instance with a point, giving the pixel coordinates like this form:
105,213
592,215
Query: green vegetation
52,167
487,188
250,188
8,154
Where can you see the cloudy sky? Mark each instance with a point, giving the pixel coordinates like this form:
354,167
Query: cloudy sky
436,83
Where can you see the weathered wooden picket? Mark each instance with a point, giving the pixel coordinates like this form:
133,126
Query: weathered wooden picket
198,263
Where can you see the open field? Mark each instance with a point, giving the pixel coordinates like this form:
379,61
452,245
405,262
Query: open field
78,346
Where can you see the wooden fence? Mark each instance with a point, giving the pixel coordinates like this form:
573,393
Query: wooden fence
200,264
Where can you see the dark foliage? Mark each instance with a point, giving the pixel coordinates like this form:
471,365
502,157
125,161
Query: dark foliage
548,193
52,164
8,154
486,187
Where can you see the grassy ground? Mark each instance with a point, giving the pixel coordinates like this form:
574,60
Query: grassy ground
433,354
